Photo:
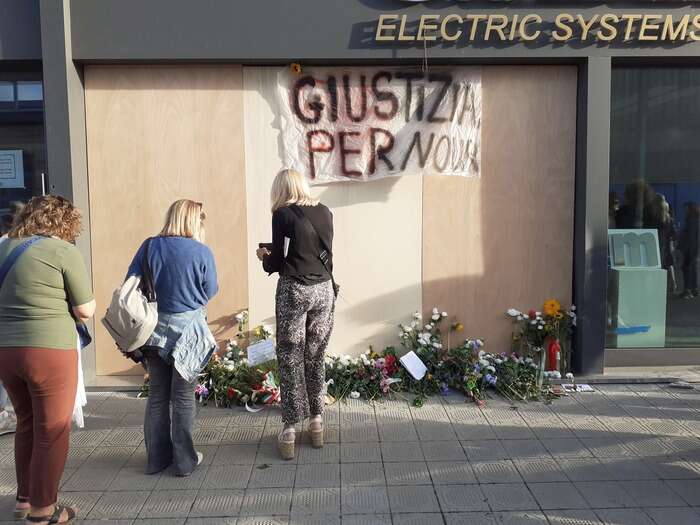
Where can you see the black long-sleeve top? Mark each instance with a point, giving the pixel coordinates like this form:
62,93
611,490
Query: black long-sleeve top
302,262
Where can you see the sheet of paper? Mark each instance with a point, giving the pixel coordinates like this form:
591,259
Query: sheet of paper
414,365
261,352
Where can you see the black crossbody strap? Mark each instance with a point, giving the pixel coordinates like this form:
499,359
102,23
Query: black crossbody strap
323,256
147,284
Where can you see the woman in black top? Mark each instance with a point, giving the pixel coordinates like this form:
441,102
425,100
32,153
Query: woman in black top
301,252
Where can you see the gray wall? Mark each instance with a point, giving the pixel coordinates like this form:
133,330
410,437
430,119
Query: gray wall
20,30
286,30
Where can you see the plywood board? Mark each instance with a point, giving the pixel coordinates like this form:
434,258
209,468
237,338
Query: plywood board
377,234
157,134
506,239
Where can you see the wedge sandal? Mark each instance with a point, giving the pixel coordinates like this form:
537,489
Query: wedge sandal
55,518
316,432
286,442
21,514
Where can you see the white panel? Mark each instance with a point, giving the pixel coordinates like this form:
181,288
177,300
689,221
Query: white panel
378,228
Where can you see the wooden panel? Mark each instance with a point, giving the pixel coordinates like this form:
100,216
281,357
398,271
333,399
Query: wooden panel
506,239
377,234
155,135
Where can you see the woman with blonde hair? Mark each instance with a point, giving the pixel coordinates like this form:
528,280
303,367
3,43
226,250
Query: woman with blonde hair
184,279
301,252
44,291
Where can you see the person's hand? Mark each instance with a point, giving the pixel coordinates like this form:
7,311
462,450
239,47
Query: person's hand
262,253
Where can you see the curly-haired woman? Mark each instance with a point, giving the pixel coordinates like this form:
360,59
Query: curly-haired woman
45,291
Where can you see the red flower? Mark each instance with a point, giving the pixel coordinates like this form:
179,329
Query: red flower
390,364
532,314
230,393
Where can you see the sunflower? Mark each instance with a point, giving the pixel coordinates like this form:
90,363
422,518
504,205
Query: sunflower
295,68
551,307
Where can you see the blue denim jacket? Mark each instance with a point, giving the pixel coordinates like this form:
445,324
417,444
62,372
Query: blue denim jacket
185,341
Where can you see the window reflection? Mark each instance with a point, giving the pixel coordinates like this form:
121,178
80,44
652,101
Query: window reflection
654,193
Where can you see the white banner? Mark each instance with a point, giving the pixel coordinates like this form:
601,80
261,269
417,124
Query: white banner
340,124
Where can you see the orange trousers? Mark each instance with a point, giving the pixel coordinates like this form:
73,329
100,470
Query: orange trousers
41,383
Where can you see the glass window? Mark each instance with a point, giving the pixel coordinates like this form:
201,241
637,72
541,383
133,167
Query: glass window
22,146
654,209
29,91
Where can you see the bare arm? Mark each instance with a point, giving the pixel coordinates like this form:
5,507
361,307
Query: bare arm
83,312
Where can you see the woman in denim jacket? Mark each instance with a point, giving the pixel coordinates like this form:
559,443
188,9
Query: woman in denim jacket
184,275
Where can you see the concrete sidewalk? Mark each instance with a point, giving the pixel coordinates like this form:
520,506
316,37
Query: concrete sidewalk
621,455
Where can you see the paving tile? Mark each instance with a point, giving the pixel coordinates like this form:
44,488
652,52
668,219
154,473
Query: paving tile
527,517
410,473
160,521
652,494
83,501
607,447
366,519
496,472
525,449
469,518
240,454
559,495
418,519
168,504
401,452
267,502
359,453
485,450
566,448
130,478
125,437
689,490
364,500
88,438
314,519
461,498
572,517
8,481
363,474
605,494
330,453
118,505
102,522
321,475
540,470
272,476
435,431
263,520
419,498
85,479
674,468
443,451
316,500
624,517
674,516
110,457
170,481
586,469
509,496
400,432
219,502
268,454
242,435
359,433
227,477
231,520
473,430
450,472
207,436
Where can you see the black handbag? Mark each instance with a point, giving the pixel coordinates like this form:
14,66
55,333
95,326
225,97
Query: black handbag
325,254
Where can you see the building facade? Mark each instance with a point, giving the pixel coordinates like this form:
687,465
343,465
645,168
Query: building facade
586,185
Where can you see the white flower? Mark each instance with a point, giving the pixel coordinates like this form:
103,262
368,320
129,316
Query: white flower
436,311
481,354
436,317
533,322
520,318
354,394
437,345
444,314
556,375
480,342
569,375
513,312
490,369
414,324
499,361
528,360
417,315
573,308
540,327
429,327
484,363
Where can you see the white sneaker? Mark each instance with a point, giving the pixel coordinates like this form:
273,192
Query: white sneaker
200,458
8,423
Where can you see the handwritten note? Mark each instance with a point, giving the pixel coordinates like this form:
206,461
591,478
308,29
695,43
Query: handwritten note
261,352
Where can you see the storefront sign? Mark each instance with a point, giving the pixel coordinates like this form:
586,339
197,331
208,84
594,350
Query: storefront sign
11,169
605,28
342,124
634,248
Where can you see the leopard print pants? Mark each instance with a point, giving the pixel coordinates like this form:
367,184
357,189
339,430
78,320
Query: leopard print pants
304,325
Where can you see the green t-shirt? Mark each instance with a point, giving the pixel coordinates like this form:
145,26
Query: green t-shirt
38,293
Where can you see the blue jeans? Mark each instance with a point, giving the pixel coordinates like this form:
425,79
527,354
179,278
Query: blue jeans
3,398
169,439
